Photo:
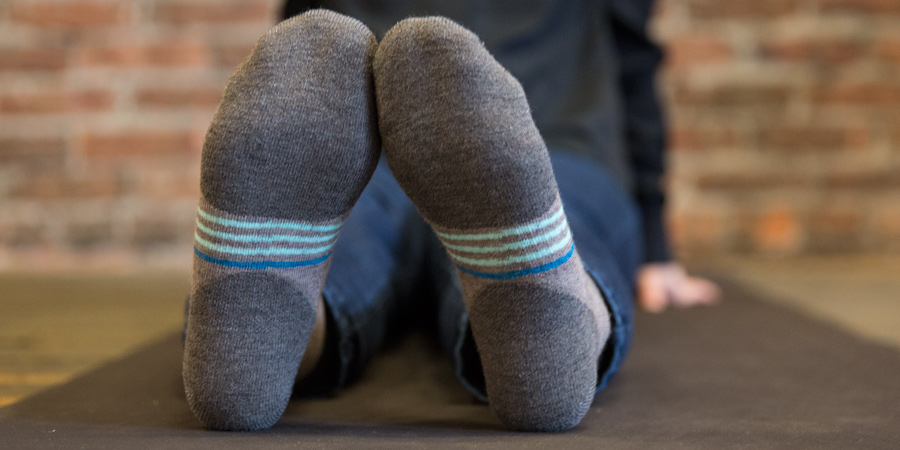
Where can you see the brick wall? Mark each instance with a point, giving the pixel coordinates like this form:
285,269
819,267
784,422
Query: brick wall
785,124
103,108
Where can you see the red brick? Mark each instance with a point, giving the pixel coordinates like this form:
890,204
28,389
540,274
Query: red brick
177,54
690,50
836,221
89,234
889,50
834,231
744,181
809,138
860,93
816,50
860,6
56,102
857,138
213,12
232,56
24,235
157,231
733,96
741,9
866,181
36,102
68,14
33,152
32,59
137,143
58,186
161,55
94,100
180,180
168,187
11,148
887,224
777,230
701,231
124,56
690,139
179,97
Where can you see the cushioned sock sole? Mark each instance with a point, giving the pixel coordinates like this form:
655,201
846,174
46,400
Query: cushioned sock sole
288,153
459,138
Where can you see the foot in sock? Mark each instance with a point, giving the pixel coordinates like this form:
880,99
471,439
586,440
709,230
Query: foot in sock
459,138
287,155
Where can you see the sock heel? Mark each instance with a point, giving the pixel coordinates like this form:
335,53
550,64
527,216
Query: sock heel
246,380
539,350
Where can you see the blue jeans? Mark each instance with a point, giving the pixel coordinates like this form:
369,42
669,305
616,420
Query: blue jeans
389,268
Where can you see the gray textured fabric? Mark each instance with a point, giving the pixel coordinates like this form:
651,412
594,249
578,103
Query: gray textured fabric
258,325
445,103
288,153
459,138
288,137
544,326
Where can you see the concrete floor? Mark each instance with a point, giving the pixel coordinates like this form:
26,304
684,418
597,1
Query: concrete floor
55,327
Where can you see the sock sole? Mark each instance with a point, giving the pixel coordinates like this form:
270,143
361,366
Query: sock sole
538,344
258,351
460,140
288,153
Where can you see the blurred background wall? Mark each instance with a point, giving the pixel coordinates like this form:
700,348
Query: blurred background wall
785,125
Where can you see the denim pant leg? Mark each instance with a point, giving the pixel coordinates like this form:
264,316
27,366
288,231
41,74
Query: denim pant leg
607,232
373,269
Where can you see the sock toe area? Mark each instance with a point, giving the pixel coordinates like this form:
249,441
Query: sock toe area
298,116
426,31
319,49
438,49
246,335
481,147
317,24
539,350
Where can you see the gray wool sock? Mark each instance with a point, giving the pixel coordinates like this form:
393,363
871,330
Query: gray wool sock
287,155
459,138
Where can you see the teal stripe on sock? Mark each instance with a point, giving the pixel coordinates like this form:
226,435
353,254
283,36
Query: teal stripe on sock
502,233
512,245
515,259
301,226
270,251
265,239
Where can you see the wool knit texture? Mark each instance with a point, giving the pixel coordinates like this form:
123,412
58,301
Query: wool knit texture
459,137
288,153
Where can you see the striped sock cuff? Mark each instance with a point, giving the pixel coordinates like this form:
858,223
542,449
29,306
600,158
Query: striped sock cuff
259,243
513,252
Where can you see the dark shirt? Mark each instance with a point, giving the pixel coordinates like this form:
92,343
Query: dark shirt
588,70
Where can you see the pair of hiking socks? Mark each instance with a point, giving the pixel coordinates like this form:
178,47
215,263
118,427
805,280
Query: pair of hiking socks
289,152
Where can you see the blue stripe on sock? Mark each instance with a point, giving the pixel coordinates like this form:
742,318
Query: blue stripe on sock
259,264
519,273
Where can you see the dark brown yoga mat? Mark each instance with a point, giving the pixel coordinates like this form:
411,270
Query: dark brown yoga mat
745,374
